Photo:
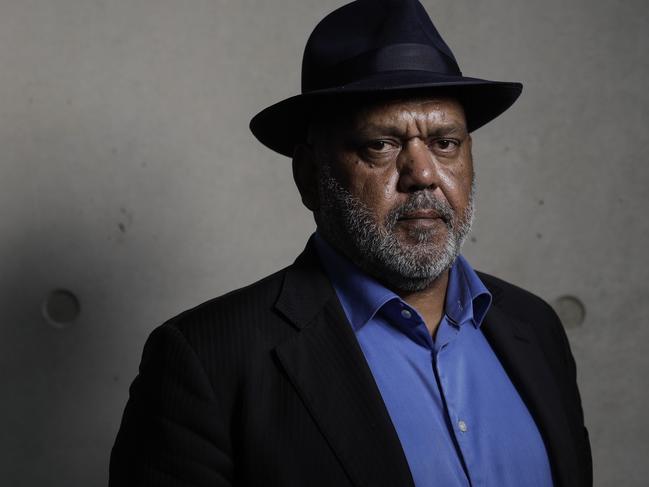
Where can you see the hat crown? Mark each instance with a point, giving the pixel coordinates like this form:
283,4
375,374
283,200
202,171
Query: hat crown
367,37
372,47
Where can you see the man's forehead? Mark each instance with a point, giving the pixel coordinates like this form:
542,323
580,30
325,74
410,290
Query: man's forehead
431,109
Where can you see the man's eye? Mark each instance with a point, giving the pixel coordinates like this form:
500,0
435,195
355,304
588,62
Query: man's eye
446,145
378,146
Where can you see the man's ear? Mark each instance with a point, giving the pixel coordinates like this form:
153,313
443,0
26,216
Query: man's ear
305,175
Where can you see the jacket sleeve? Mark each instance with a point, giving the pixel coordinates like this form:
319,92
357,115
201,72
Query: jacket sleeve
172,432
571,369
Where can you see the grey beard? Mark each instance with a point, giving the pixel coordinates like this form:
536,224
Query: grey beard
348,224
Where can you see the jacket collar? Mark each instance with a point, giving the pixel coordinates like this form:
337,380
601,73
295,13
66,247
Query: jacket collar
328,370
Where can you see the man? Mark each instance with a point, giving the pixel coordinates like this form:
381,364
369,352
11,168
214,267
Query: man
380,357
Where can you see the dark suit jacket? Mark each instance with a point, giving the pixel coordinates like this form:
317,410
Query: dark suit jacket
267,386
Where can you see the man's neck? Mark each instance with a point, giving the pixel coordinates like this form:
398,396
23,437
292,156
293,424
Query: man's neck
429,302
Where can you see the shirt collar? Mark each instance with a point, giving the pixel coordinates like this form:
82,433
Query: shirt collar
361,296
467,298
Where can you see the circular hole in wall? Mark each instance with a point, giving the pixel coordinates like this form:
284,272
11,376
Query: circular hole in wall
571,311
61,307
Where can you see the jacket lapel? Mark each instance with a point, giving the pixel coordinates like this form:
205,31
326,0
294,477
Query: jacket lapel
328,370
515,344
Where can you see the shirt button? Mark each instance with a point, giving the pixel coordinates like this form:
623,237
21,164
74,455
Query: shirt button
406,314
462,426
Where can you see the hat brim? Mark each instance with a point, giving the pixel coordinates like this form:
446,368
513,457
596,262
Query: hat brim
282,126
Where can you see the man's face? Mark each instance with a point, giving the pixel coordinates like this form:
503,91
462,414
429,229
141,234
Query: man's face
396,188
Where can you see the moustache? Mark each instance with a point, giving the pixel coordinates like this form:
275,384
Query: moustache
421,200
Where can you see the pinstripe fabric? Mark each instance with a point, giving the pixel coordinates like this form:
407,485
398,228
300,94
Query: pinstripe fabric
267,386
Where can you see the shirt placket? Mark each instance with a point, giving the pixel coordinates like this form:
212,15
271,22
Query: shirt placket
445,370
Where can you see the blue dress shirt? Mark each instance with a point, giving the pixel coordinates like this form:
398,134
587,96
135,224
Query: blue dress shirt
458,417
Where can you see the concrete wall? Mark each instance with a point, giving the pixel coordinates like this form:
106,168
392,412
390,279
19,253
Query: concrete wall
129,179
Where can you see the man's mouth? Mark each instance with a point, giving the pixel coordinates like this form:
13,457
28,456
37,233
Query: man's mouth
421,215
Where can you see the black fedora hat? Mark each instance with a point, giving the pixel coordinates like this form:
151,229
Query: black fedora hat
377,47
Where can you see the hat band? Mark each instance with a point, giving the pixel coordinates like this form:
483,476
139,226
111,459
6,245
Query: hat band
396,57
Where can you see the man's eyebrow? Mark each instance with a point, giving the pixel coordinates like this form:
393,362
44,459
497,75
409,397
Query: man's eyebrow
450,129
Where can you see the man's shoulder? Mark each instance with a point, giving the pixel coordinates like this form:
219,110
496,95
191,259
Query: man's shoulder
252,320
245,315
240,305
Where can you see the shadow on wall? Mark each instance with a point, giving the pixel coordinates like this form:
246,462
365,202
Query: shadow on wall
77,280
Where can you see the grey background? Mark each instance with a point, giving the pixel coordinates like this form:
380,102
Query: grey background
128,177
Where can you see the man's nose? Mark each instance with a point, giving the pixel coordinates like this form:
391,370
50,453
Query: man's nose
417,167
